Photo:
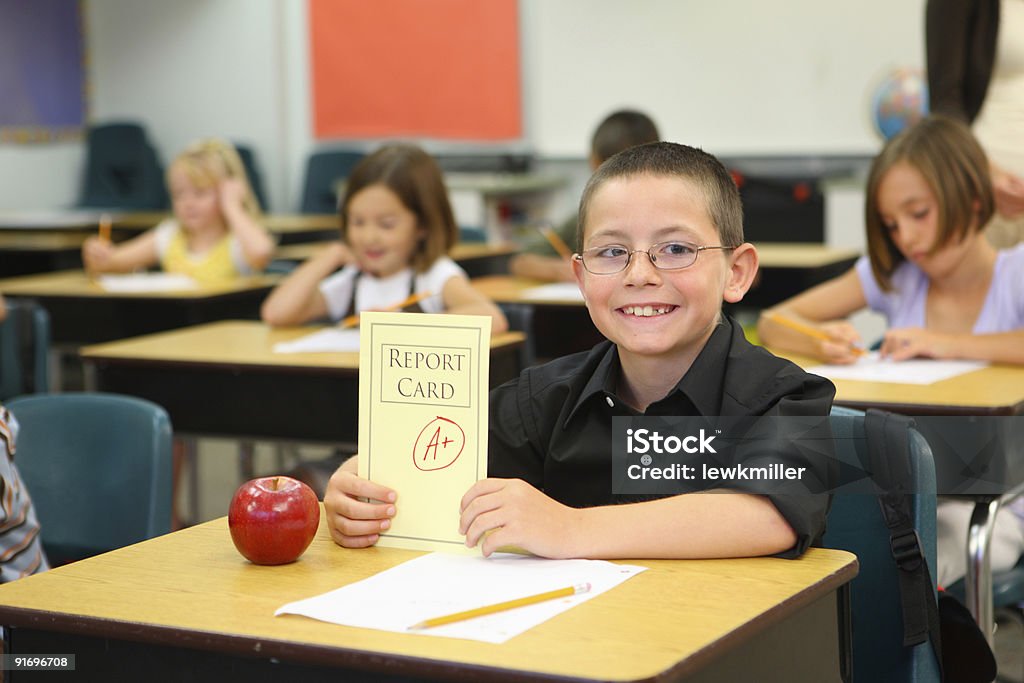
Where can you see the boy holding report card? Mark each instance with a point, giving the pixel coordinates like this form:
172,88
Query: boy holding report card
662,248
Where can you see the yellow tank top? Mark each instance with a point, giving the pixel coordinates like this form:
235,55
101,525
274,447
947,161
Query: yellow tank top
216,265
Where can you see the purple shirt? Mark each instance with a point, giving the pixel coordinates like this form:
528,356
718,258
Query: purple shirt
904,304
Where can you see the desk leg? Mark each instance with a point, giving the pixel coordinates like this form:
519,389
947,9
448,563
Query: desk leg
978,581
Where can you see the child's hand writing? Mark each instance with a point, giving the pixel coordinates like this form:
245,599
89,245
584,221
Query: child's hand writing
843,344
516,514
915,342
354,523
97,254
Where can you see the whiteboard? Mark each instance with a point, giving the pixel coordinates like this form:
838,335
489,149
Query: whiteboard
736,77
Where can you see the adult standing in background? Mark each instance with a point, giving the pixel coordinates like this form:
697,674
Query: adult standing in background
975,52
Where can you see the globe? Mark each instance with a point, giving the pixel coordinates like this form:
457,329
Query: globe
900,100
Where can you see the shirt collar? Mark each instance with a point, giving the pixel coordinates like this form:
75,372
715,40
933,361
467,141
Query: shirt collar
702,383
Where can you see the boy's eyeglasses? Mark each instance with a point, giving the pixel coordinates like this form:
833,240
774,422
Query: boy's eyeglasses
664,256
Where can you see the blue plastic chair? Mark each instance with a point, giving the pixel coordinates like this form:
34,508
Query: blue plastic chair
122,170
24,349
252,170
855,523
323,171
98,468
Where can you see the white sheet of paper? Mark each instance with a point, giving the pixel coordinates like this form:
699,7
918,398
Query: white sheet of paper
147,282
873,368
323,341
556,291
438,584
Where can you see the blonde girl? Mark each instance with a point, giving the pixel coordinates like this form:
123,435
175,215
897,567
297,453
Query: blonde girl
215,232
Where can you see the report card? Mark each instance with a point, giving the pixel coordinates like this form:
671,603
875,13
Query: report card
423,382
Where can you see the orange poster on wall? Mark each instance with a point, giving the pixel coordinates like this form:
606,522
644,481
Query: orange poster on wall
431,68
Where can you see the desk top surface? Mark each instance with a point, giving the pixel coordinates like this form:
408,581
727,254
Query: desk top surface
78,284
236,342
802,254
992,390
192,588
463,251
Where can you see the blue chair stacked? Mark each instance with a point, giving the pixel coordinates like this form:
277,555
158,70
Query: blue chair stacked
323,172
24,349
98,468
856,524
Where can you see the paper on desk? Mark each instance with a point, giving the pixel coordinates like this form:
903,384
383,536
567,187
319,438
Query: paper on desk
438,584
556,291
147,282
874,368
331,339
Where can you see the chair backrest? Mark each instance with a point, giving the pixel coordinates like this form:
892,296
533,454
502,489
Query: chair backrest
253,171
855,523
24,349
98,468
323,171
122,170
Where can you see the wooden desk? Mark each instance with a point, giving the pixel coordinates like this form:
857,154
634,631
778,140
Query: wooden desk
223,379
558,327
186,606
786,269
81,312
991,391
476,258
24,253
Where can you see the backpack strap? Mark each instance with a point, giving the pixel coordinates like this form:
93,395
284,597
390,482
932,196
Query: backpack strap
889,452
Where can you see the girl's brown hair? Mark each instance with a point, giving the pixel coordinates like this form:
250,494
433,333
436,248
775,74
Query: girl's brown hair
954,166
416,179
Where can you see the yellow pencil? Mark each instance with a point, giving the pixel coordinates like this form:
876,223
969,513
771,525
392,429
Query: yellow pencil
557,242
501,606
105,227
808,330
353,320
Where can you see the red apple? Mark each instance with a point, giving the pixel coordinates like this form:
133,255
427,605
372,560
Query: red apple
273,519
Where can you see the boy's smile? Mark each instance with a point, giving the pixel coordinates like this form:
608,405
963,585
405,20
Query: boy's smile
664,315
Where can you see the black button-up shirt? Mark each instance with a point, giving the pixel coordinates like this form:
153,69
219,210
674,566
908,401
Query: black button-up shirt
552,426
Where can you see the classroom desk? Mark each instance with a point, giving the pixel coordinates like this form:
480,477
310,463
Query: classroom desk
991,391
558,328
786,269
186,606
24,253
288,228
223,379
476,258
81,312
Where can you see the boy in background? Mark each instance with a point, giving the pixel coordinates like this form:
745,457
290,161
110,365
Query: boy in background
618,131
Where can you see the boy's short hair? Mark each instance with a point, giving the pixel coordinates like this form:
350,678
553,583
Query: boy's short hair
670,159
954,166
417,180
621,130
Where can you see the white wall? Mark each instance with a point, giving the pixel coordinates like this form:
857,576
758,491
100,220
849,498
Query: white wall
736,76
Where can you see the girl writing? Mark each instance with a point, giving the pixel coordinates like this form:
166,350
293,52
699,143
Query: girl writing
215,232
396,228
945,291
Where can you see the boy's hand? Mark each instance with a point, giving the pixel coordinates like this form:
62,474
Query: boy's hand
510,512
96,254
353,522
843,343
915,342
